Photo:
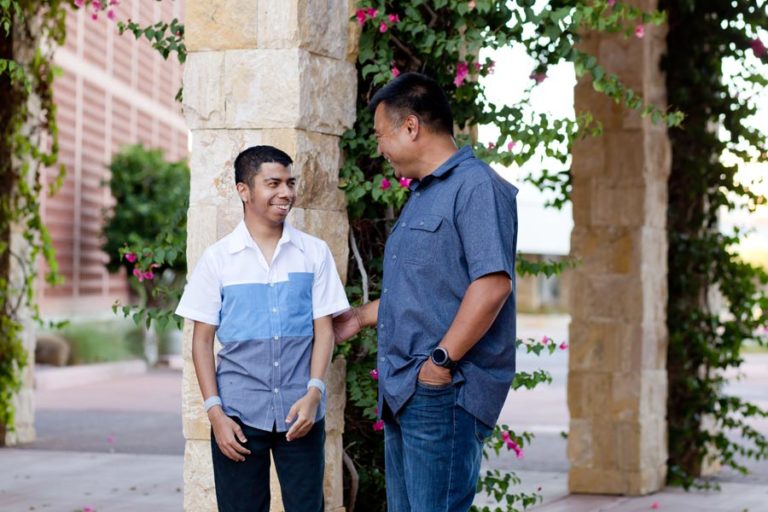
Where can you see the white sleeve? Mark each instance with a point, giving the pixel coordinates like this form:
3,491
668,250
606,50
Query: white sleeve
328,295
201,300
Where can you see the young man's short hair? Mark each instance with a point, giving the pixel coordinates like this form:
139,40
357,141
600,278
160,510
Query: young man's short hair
248,162
416,94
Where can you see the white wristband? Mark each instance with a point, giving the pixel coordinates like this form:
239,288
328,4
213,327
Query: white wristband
316,383
212,401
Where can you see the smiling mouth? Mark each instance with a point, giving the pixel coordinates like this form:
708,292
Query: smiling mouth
283,207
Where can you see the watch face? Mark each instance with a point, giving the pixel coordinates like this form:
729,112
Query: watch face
439,356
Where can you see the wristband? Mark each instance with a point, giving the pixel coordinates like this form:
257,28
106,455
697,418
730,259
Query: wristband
212,401
316,383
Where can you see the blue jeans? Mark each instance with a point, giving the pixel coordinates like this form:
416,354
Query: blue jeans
432,453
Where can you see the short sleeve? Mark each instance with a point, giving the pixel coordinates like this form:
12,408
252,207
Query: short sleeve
328,295
201,300
486,219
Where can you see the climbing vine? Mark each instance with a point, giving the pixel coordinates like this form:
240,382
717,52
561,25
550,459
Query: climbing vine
28,144
717,302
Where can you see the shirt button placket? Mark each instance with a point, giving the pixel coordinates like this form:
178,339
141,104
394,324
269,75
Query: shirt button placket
275,331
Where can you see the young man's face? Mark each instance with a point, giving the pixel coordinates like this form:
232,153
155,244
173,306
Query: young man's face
271,193
394,142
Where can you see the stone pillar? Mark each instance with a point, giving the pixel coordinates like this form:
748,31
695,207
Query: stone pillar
278,72
617,381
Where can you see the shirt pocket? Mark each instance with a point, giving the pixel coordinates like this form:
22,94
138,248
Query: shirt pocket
423,236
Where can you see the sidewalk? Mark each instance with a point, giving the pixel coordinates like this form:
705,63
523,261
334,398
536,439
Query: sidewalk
116,444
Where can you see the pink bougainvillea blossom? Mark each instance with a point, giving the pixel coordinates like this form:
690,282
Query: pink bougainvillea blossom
138,274
758,48
378,425
545,340
130,257
96,4
395,72
385,184
79,3
538,77
512,445
462,71
110,439
94,16
383,27
361,16
563,346
371,12
640,31
405,182
374,374
655,505
149,275
88,509
394,18
511,145
111,15
478,66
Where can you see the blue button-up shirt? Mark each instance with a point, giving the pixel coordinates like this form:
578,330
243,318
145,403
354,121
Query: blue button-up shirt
459,224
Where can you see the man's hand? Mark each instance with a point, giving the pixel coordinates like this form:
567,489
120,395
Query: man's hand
228,433
346,325
303,414
434,375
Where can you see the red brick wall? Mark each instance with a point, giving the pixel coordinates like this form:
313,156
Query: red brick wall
114,91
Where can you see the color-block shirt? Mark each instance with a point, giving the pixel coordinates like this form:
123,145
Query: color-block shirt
264,315
459,224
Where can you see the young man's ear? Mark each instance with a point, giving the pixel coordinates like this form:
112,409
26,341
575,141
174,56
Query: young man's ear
242,191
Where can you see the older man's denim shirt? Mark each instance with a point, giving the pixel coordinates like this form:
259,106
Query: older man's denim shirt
459,224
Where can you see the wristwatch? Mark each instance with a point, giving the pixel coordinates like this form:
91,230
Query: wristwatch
441,358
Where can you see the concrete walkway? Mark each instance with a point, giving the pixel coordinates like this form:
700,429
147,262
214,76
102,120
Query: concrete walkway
116,444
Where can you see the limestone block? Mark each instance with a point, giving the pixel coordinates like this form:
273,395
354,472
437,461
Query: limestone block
353,34
625,398
580,451
618,205
323,26
596,481
596,345
194,418
203,235
581,201
199,488
614,297
609,250
317,160
605,442
203,101
588,392
646,481
221,24
333,227
590,153
625,57
333,485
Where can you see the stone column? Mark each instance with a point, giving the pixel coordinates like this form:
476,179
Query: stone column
617,381
278,72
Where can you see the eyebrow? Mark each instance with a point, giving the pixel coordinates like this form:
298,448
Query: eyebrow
272,178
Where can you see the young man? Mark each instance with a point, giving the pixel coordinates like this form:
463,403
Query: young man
268,292
446,317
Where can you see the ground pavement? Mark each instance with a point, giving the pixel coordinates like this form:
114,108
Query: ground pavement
113,442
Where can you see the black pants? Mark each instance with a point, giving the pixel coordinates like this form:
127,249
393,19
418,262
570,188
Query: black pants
244,486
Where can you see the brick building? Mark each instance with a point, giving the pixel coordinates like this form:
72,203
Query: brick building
114,91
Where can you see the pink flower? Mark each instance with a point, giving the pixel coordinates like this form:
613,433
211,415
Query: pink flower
505,435
538,77
462,70
478,66
512,445
395,72
545,340
758,48
383,27
611,2
79,3
655,505
361,16
378,425
138,274
563,346
88,509
640,31
130,257
405,182
114,2
96,4
111,439
385,184
374,374
394,18
511,145
149,275
94,16
111,15
491,145
371,12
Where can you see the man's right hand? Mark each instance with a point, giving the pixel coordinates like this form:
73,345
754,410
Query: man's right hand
346,325
228,435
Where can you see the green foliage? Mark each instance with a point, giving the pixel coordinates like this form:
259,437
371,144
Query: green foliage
146,231
705,338
26,74
100,342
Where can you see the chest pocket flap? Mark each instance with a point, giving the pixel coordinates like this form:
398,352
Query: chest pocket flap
427,223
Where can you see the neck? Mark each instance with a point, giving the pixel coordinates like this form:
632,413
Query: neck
261,231
434,154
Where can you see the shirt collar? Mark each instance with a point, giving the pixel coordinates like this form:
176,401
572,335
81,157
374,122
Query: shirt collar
449,165
241,238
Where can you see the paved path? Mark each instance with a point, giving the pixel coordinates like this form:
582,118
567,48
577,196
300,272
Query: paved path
117,445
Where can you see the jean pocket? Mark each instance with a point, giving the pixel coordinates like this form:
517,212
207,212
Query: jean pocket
433,387
482,431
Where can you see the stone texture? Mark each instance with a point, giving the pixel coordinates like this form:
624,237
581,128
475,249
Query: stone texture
310,91
617,383
199,490
333,227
